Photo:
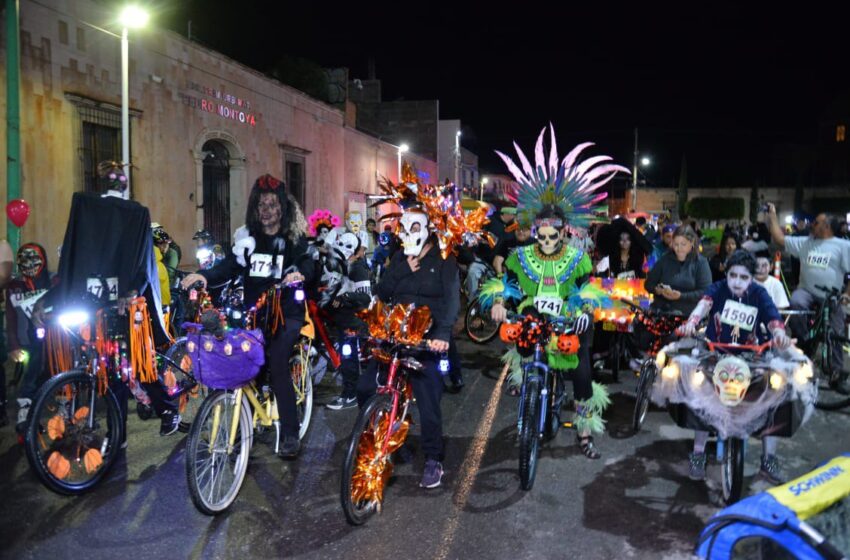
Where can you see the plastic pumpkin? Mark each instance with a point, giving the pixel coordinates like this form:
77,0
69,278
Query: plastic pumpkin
568,343
56,427
58,465
509,332
92,460
81,414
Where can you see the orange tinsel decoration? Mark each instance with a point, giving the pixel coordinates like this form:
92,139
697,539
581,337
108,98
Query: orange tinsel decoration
142,354
58,348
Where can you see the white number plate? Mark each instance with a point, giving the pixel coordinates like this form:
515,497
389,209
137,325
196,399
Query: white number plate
626,275
261,266
550,305
95,287
739,315
818,260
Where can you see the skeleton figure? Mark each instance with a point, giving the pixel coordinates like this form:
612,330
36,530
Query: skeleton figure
731,379
413,232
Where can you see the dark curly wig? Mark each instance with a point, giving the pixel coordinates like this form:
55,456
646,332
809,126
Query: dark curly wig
292,222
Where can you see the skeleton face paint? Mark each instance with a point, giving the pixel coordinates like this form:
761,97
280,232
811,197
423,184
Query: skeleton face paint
322,233
413,232
549,239
738,278
354,221
346,244
30,261
762,268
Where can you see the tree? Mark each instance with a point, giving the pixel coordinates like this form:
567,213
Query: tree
683,188
754,203
302,74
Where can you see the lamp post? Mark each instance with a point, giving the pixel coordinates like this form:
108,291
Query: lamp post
457,158
483,182
645,162
404,148
132,17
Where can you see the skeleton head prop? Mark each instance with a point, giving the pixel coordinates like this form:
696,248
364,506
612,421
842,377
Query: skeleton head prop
347,244
413,232
354,221
549,237
731,379
30,260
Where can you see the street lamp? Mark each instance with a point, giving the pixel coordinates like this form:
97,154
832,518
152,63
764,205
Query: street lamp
132,17
457,157
483,182
403,149
644,161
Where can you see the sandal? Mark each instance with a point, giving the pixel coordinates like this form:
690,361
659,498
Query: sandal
587,447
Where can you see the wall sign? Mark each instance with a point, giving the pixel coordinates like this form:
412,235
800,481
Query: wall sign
225,105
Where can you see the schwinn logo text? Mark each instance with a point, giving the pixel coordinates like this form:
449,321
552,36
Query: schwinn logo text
816,481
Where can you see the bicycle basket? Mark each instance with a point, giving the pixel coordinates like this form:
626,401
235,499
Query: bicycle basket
229,362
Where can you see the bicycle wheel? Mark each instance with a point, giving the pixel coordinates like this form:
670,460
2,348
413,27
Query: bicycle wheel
616,348
479,327
644,393
529,436
828,398
553,410
732,471
215,470
74,433
366,469
300,368
190,400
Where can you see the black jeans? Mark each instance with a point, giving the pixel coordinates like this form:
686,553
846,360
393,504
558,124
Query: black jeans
279,351
582,374
428,390
349,365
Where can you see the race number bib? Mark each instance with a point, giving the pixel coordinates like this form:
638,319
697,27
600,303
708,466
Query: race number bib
628,275
261,266
551,305
739,315
26,302
818,260
95,287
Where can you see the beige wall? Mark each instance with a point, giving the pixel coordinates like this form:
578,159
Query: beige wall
167,134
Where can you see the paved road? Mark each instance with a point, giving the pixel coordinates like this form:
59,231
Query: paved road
636,502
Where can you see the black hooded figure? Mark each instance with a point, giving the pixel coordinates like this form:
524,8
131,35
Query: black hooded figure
272,249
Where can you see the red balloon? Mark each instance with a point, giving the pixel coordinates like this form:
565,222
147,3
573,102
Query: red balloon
18,211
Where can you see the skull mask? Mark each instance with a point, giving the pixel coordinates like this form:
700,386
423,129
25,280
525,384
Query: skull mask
731,379
413,232
354,221
346,244
549,238
30,260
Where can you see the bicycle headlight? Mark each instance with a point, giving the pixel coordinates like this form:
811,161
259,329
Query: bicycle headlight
71,319
777,381
661,359
670,372
804,373
697,378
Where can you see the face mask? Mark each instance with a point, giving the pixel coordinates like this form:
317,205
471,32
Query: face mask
549,239
413,241
346,245
738,278
30,262
354,221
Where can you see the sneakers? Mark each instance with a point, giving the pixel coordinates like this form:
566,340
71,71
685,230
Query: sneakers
23,413
696,470
771,471
170,423
433,474
341,403
290,447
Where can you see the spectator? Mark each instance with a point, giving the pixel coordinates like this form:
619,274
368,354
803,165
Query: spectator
728,245
773,286
681,276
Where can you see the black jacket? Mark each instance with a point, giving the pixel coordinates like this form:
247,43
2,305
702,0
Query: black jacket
436,284
354,295
257,278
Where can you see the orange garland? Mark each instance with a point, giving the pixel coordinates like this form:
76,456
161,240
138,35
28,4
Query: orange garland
58,348
141,342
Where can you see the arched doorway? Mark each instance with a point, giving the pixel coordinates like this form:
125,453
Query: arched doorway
216,197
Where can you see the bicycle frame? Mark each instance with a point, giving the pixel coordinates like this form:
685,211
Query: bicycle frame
538,363
395,388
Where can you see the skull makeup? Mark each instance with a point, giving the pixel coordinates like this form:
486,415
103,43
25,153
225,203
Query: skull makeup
322,232
413,232
738,278
346,244
549,239
731,379
354,221
30,260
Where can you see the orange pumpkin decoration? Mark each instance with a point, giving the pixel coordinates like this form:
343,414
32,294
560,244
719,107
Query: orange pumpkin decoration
568,343
58,465
81,414
169,380
509,332
92,460
56,427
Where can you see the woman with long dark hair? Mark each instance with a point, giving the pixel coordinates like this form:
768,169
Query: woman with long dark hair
728,245
271,249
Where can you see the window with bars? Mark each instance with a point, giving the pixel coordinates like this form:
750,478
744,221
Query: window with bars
100,140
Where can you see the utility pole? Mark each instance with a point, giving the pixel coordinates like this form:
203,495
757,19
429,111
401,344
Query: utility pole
13,115
635,174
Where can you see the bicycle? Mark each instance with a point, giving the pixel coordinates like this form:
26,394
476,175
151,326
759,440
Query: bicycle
384,420
76,425
480,328
542,392
819,346
222,435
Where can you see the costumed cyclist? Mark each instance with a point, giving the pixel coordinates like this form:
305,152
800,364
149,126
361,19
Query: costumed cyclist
550,272
739,311
273,251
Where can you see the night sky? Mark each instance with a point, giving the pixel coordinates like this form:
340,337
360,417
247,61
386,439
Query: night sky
723,85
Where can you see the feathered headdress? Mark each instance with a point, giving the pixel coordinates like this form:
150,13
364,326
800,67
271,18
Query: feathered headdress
322,218
573,187
448,220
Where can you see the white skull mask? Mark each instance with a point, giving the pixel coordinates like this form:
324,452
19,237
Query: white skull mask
731,379
347,244
413,241
549,239
354,221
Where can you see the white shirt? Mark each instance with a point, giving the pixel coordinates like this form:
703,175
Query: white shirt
777,292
